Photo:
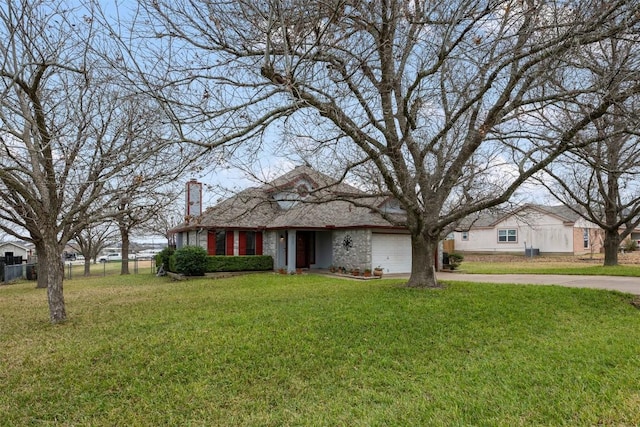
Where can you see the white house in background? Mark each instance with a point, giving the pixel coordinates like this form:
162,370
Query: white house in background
24,250
547,229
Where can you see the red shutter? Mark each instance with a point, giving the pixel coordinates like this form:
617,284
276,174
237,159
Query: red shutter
229,242
258,242
211,242
242,243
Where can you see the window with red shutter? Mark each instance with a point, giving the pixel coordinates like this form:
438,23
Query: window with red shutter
211,242
221,241
242,242
229,243
259,243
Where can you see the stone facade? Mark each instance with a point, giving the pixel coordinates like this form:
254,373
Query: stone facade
269,239
274,244
194,238
352,248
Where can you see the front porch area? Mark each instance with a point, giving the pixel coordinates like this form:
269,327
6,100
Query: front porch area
307,249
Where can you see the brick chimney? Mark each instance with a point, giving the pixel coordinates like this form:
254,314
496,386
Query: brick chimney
194,200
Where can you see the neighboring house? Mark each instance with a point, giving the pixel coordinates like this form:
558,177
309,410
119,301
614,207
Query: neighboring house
17,249
543,229
303,219
635,235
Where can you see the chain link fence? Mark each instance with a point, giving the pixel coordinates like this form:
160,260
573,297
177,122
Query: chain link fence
12,273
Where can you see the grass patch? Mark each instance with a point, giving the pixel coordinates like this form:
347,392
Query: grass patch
548,267
75,270
276,350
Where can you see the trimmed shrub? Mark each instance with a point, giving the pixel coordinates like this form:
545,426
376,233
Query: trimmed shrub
191,261
629,245
172,263
163,256
240,263
455,259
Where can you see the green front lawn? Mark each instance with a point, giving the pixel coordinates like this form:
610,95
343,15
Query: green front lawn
272,350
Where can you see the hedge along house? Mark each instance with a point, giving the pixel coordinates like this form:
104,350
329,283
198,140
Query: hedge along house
303,219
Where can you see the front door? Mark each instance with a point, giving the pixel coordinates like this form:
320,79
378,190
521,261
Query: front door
302,249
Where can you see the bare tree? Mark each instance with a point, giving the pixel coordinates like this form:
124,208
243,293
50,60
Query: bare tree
171,217
91,240
600,180
139,205
446,106
141,196
64,131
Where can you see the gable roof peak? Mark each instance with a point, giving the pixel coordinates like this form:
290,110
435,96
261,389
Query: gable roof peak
318,181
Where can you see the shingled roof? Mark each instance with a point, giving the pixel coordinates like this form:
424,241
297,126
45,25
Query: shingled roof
328,203
489,219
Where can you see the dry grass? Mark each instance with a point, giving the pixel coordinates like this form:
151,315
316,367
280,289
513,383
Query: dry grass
629,265
629,258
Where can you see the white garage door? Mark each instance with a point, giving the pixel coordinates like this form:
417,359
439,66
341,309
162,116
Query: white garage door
392,252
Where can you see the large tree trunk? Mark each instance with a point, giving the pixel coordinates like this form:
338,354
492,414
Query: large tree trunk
54,277
611,247
423,268
124,235
41,267
87,267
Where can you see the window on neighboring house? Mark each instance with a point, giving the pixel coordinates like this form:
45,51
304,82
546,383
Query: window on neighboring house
221,242
507,236
585,237
465,235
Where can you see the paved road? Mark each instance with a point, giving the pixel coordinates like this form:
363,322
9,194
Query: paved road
624,284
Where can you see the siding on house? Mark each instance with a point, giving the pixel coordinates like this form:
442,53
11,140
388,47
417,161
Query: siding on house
543,232
534,228
17,250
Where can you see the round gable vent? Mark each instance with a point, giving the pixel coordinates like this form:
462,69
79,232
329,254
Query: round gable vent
303,190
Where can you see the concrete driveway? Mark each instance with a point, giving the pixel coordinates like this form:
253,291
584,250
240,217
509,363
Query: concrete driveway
624,284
